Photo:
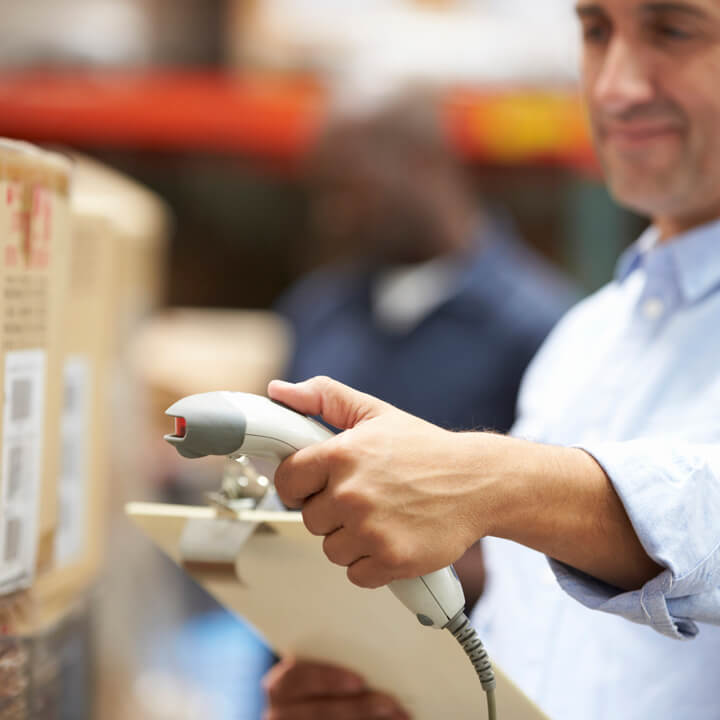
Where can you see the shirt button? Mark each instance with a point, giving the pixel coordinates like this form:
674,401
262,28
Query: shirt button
653,308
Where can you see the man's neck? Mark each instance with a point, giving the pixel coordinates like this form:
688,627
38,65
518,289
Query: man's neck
670,228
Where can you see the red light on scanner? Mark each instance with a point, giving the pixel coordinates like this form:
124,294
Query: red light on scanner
180,427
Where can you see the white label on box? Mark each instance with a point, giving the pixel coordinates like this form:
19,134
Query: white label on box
72,483
22,448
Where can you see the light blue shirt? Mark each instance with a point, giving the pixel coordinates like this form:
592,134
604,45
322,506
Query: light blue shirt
632,375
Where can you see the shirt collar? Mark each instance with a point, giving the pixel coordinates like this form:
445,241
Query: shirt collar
695,256
631,259
403,296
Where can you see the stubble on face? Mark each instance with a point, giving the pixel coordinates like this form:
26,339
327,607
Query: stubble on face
652,78
646,154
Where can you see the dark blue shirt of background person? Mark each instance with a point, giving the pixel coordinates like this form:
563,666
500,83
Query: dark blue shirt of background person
447,340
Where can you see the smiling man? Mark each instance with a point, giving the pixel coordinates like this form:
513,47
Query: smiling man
616,479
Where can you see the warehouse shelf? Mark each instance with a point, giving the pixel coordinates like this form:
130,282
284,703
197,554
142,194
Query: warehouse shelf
269,116
520,126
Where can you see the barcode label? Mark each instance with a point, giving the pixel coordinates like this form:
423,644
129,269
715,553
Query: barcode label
20,399
72,483
22,447
15,471
13,535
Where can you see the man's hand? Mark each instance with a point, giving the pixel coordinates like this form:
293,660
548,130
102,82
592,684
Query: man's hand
390,494
301,690
397,497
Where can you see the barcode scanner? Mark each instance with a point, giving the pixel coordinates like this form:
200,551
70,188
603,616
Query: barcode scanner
236,424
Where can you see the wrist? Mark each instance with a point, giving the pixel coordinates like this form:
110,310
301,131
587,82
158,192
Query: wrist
558,501
502,496
519,486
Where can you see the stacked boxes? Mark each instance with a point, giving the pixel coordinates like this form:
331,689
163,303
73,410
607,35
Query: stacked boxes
111,277
34,245
34,239
116,211
115,280
88,337
80,264
140,223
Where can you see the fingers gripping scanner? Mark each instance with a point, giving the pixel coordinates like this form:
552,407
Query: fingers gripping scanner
237,424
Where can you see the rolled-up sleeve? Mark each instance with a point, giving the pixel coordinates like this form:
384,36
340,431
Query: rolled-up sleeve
671,493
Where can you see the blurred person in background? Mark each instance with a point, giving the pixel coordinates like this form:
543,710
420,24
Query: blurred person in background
620,486
425,299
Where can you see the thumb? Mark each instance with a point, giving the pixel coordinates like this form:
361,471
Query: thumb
337,404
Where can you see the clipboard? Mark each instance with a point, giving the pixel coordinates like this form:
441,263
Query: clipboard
268,569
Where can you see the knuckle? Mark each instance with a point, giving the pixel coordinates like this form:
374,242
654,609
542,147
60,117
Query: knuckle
350,497
342,452
364,575
372,537
333,552
328,548
391,556
356,578
313,525
280,479
284,484
322,382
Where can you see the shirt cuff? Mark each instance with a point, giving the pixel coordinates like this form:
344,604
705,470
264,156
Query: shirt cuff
671,493
647,606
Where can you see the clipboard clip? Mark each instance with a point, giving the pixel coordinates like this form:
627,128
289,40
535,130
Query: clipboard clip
219,540
242,488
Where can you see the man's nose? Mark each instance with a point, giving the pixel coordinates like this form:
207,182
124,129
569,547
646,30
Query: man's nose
624,79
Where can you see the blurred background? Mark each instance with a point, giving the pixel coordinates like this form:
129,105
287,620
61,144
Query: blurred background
194,129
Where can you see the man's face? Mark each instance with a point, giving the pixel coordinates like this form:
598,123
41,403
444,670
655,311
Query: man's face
651,77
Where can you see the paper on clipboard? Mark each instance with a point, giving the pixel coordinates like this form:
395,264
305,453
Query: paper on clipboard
279,580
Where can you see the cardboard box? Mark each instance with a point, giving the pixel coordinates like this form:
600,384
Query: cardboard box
88,339
117,242
141,222
182,351
34,237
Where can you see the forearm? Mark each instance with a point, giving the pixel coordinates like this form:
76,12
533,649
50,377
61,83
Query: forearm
396,497
560,502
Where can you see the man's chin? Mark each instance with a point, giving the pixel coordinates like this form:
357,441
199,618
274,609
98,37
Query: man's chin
645,190
639,199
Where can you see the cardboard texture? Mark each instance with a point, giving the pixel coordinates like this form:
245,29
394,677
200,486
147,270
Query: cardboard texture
141,224
88,336
34,237
240,350
113,240
118,235
280,581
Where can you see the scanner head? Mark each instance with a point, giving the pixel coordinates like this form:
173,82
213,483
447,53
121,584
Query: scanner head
206,424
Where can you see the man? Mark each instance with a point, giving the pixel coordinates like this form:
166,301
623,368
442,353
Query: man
624,495
410,266
414,267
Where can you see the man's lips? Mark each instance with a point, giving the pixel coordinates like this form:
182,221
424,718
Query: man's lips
639,134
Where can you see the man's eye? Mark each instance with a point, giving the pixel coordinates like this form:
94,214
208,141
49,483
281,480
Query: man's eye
596,33
672,32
